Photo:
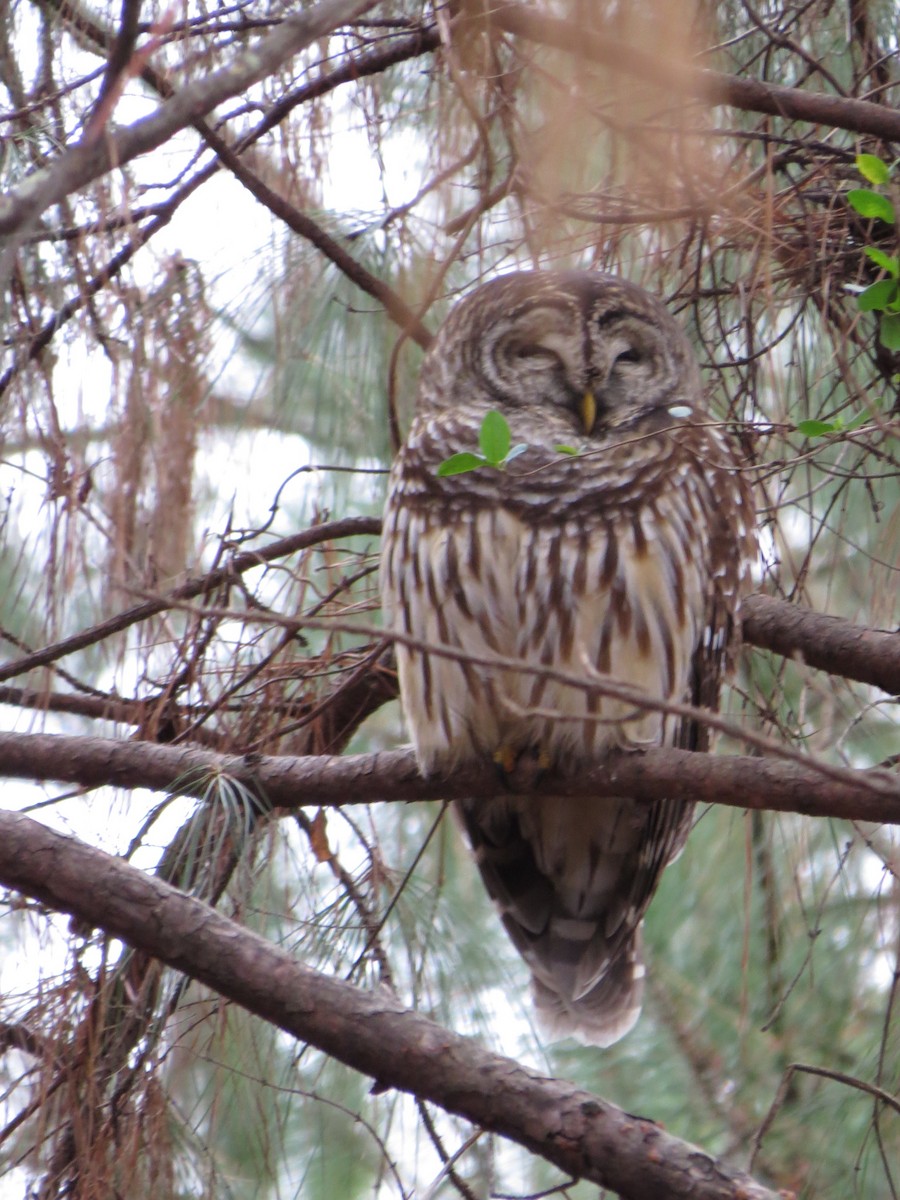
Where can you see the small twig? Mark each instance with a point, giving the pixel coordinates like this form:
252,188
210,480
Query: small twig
826,1073
348,527
124,64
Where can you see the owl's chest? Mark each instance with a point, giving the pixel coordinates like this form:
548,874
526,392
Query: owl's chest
571,606
516,579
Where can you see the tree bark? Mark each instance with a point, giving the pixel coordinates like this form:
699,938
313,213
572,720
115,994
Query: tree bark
830,643
739,781
582,1134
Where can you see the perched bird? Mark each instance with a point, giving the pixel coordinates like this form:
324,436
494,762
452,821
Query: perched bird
621,557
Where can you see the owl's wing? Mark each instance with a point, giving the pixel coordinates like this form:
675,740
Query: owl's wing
577,927
573,881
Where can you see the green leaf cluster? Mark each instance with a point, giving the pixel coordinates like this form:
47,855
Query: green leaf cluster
495,443
883,296
497,450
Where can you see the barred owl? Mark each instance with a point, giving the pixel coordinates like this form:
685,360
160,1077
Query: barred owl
625,561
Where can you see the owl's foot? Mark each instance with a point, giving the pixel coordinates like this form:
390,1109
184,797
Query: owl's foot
520,768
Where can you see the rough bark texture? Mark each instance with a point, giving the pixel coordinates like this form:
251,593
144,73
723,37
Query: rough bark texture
832,644
741,781
373,1033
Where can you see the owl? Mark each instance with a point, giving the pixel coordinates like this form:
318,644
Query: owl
613,548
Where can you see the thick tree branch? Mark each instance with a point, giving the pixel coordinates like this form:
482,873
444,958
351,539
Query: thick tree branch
370,1032
739,781
715,87
829,643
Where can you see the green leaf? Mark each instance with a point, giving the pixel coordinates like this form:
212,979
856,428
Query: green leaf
859,419
890,331
891,265
458,464
871,205
493,437
565,450
813,428
878,296
873,168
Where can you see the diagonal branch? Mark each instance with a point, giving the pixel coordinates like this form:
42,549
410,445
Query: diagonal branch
246,561
714,87
230,156
369,1031
303,225
352,68
22,206
739,781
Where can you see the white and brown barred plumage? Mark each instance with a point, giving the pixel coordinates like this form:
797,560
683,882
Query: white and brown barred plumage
627,560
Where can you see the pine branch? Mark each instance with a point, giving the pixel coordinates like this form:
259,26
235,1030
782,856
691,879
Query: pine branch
738,781
369,1031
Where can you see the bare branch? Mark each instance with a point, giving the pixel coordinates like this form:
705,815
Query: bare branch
354,68
21,207
101,279
829,643
369,1031
739,781
245,561
301,223
715,87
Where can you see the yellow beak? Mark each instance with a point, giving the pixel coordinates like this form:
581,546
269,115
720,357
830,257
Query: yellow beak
588,411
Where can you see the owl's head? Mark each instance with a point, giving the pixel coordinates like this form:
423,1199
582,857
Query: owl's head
589,349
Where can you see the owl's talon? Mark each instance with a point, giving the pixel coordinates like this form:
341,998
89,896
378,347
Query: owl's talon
521,769
506,758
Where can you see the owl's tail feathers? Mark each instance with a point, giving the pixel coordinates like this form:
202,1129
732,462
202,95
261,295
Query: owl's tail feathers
605,1012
